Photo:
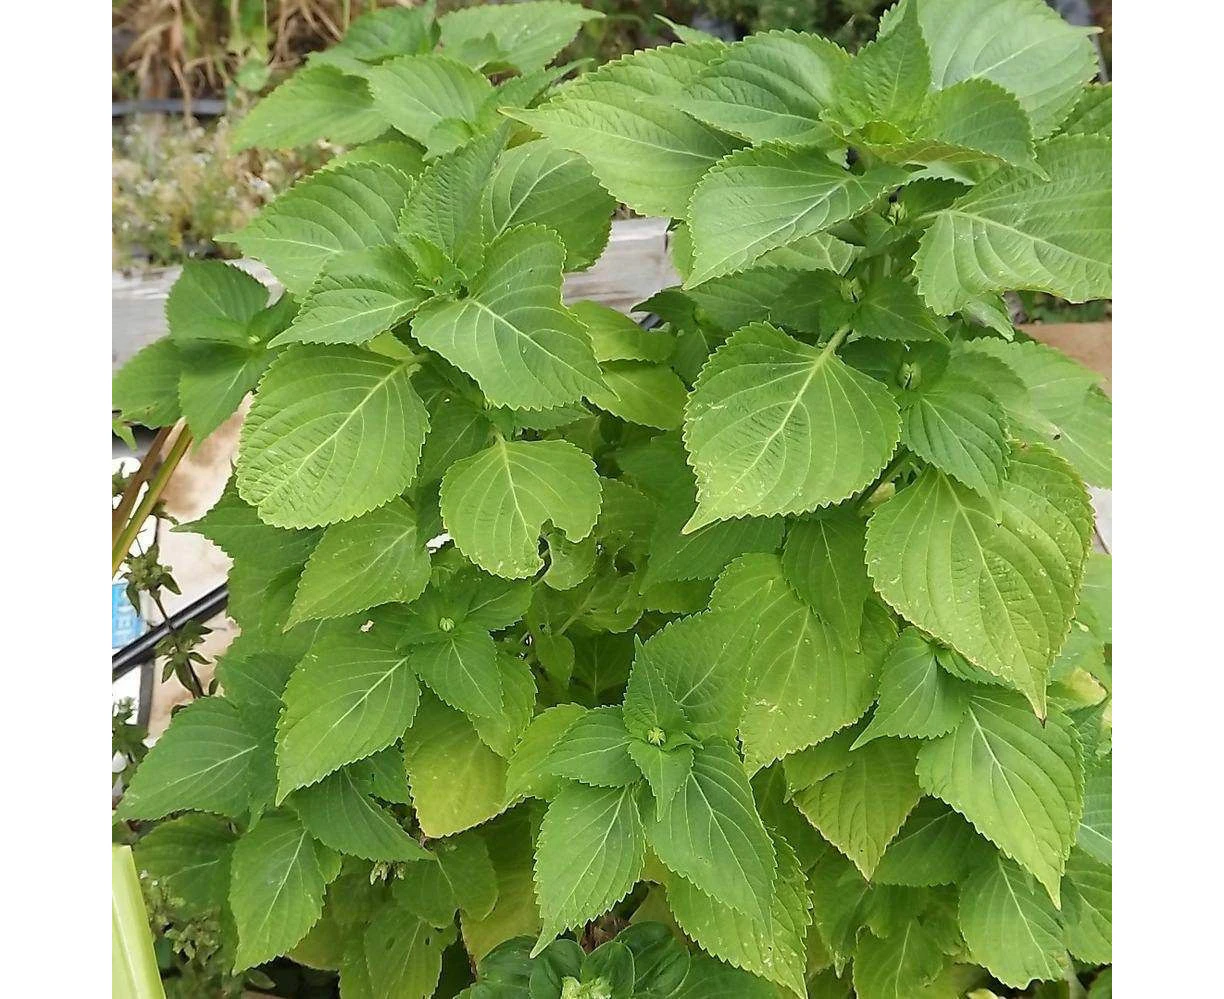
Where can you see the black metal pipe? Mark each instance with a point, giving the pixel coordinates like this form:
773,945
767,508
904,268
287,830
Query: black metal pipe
141,651
204,107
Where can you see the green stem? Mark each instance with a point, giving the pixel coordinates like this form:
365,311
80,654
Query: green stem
836,340
123,542
122,510
889,471
191,680
133,964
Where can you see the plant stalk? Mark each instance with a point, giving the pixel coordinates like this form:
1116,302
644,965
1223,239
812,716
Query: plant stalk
157,485
147,466
836,340
889,471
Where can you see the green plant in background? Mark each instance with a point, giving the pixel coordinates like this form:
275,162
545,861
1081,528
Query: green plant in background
772,633
848,22
175,185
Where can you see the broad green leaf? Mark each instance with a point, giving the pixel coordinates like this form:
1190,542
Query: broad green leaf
818,252
772,85
688,677
404,156
1010,926
1019,781
711,979
660,961
970,118
457,875
354,978
815,763
860,808
501,730
651,395
712,836
616,337
207,760
1022,45
934,847
212,300
189,859
458,426
840,902
259,603
383,775
415,92
997,582
888,79
334,433
824,562
214,381
776,426
254,679
899,965
589,855
456,780
513,335
704,553
1092,114
467,596
541,183
461,667
917,699
558,961
525,35
758,199
376,559
444,208
339,814
1095,609
959,427
495,504
404,954
608,971
235,528
804,681
569,563
1087,911
1019,230
146,389
388,32
121,430
514,913
761,293
527,775
279,875
594,750
346,208
665,770
316,102
890,309
359,294
352,695
624,119
1064,408
771,947
1095,834
524,90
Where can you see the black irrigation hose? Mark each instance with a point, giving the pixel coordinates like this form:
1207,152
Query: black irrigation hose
205,107
140,651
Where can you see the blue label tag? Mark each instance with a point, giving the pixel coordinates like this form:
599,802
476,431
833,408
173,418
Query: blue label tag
126,625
